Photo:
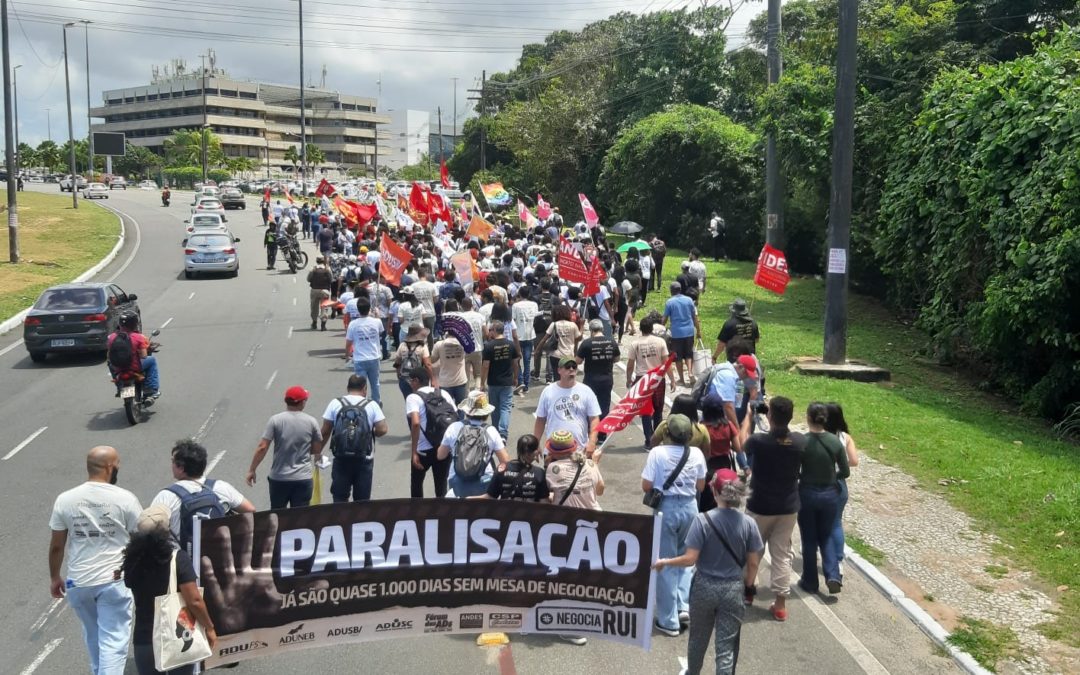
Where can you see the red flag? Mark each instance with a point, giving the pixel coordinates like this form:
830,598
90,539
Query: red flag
420,199
772,270
325,189
440,210
393,261
364,212
597,276
444,175
590,213
287,195
266,195
571,266
543,209
638,400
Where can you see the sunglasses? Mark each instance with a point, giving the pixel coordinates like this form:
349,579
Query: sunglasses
570,366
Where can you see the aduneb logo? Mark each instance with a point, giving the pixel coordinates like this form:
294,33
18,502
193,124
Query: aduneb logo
295,636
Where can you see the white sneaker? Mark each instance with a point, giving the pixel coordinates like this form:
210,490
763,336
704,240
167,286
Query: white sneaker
578,640
684,618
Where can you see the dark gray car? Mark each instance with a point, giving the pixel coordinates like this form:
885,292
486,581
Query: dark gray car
75,318
233,198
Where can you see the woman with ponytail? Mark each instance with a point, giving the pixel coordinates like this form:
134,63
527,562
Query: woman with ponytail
824,463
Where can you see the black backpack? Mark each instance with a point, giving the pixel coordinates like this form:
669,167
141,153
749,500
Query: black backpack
352,437
440,414
121,352
202,504
410,361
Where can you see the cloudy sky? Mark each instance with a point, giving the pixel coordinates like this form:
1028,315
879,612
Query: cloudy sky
414,47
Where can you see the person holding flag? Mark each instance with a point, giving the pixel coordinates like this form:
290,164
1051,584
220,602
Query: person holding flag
646,354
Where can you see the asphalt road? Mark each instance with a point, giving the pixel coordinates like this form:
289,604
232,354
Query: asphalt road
231,347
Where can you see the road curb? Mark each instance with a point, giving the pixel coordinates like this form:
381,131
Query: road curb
916,614
16,320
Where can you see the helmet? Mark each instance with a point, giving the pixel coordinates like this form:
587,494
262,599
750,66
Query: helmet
363,249
129,320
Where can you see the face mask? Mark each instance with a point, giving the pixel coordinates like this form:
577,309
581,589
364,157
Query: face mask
115,472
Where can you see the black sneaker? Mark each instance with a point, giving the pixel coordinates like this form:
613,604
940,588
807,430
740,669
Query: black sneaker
834,586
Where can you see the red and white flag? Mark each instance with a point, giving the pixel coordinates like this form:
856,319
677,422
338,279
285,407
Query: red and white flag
638,400
597,276
772,270
325,189
527,219
543,209
590,213
393,261
571,266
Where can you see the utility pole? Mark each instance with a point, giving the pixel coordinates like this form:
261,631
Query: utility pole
441,158
483,110
836,280
205,123
15,89
71,127
9,139
89,133
375,125
455,114
48,122
303,115
774,182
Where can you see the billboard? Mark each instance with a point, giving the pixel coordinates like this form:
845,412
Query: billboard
107,143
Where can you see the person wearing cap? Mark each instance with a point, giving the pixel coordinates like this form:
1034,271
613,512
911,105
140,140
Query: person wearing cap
739,324
723,578
295,437
352,476
685,279
413,353
147,564
682,312
476,409
500,374
565,457
749,371
90,525
363,336
599,354
679,506
320,279
567,405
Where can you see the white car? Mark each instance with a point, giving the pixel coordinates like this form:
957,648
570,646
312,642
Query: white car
206,222
148,185
96,191
208,205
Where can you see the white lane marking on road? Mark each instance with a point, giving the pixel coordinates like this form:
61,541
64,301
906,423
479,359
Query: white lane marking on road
270,381
214,462
46,615
166,323
206,425
290,333
20,446
294,280
191,296
251,355
49,649
294,302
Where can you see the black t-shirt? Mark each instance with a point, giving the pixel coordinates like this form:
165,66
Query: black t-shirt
519,483
326,239
746,329
501,353
687,281
599,354
774,483
148,584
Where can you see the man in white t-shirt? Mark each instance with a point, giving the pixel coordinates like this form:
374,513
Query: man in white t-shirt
367,349
567,404
647,264
476,408
697,269
423,449
91,524
425,293
188,467
524,313
352,475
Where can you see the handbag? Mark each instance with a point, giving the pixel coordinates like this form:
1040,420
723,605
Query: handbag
702,360
178,639
655,496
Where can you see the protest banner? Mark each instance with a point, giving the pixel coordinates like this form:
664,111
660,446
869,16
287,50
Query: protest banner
393,261
279,581
637,401
571,266
772,270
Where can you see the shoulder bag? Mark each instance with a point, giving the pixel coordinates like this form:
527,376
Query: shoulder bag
573,484
655,496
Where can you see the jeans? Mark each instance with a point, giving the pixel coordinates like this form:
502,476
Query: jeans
526,359
290,493
440,470
371,370
607,328
404,387
836,538
715,605
458,392
351,475
817,516
144,662
502,397
602,387
429,323
673,583
650,422
105,613
470,487
315,227
271,255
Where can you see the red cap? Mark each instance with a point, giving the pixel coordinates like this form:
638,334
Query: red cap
748,362
296,394
723,477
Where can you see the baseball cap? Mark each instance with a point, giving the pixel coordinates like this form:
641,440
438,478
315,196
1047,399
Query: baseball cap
153,517
296,394
748,362
723,477
596,325
680,428
567,361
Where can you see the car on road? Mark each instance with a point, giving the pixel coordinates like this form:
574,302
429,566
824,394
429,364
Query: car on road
211,252
75,318
118,183
208,222
208,205
96,191
147,185
233,198
206,191
65,183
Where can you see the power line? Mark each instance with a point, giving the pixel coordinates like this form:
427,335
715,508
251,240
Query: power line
31,43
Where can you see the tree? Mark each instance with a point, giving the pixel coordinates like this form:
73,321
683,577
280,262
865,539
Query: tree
424,169
292,155
240,165
137,161
27,156
315,156
48,154
688,161
184,148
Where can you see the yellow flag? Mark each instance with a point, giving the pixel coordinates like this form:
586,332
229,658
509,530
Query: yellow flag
478,227
316,490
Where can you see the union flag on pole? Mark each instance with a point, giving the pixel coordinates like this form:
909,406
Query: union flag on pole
772,270
590,213
638,400
597,276
325,188
393,261
444,175
527,219
543,209
571,266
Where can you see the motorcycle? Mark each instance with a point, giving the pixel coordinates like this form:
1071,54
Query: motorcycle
290,248
165,197
131,389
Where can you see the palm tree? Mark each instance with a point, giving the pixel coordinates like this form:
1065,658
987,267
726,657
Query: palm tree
315,155
184,148
48,153
293,155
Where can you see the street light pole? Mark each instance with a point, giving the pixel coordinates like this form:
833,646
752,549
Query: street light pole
303,112
71,126
454,125
89,133
774,187
15,96
48,122
9,135
205,123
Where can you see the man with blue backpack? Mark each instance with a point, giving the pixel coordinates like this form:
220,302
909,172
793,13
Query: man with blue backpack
193,496
350,425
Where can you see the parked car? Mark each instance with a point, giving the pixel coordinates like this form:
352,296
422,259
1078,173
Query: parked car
211,252
206,222
147,185
208,205
118,183
75,318
65,183
96,191
233,198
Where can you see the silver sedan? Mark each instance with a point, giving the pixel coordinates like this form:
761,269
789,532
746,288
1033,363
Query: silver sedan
211,252
208,205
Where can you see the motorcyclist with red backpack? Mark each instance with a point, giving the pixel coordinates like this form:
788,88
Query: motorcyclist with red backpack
129,351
